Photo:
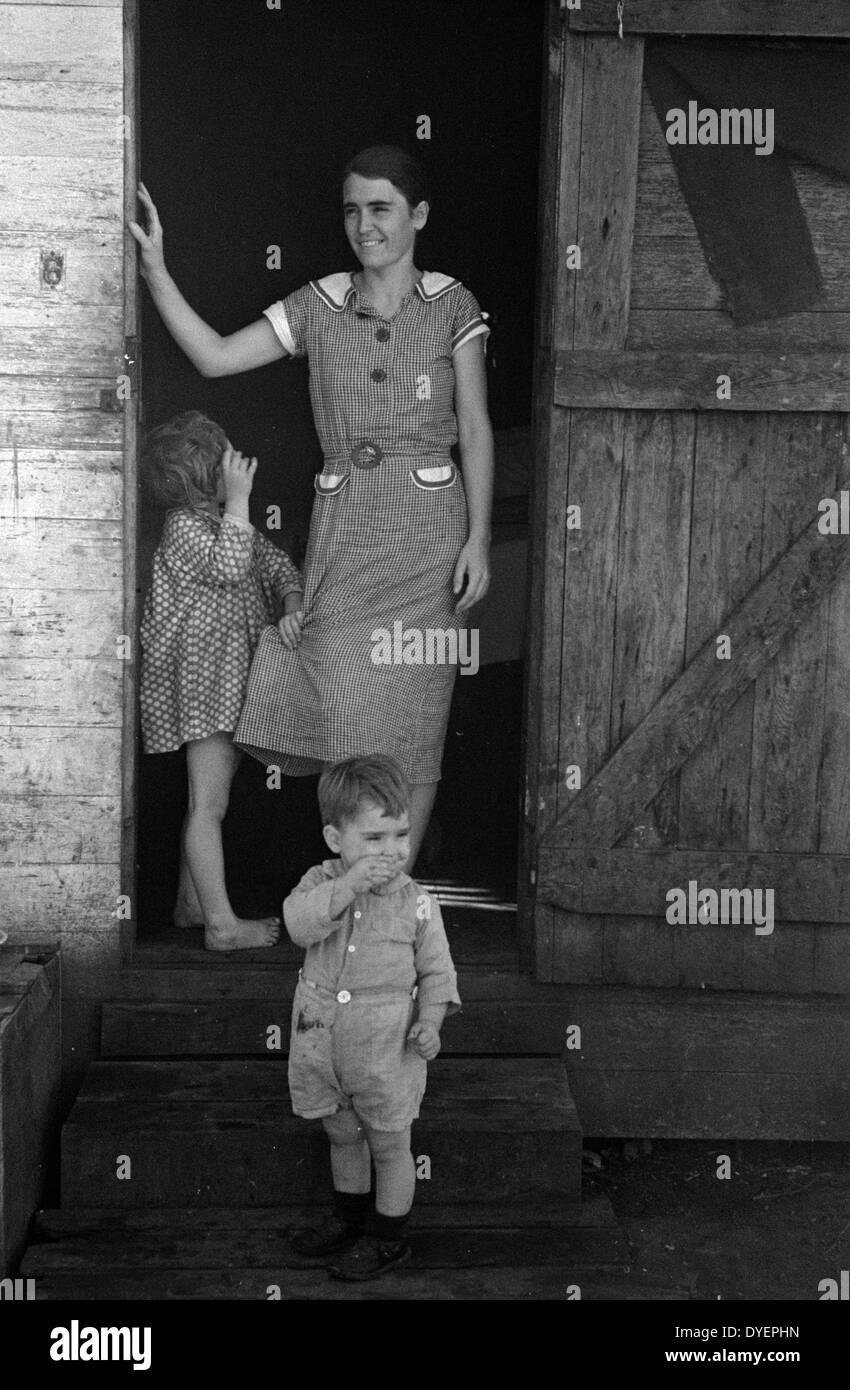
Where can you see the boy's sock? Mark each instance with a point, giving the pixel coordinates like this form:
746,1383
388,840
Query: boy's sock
353,1208
390,1229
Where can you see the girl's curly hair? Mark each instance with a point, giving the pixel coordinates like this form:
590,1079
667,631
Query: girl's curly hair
181,459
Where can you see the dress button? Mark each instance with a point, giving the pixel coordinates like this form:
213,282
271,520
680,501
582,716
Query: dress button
383,335
379,374
344,996
358,915
352,949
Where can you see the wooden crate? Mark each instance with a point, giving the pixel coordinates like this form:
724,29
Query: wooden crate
30,1064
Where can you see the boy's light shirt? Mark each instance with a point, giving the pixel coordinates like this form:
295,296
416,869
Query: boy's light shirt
397,934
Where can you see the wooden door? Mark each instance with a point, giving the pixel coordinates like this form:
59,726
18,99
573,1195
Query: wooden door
657,753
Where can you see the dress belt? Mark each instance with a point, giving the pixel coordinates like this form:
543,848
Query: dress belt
373,996
367,454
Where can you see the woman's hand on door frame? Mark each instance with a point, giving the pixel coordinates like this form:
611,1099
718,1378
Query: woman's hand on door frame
152,260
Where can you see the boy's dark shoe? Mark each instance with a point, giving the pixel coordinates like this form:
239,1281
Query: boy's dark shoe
369,1258
332,1237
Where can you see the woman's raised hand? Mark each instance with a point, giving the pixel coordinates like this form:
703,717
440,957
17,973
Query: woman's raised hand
152,261
473,566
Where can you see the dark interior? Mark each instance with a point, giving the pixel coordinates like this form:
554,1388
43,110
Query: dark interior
247,117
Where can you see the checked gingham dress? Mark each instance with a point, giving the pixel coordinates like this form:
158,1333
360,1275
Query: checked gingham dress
389,521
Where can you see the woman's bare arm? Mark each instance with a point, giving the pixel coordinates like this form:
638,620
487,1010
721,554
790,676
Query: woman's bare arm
475,436
212,354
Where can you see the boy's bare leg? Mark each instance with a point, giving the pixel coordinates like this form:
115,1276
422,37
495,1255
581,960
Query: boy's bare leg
422,796
395,1171
350,1163
187,909
211,764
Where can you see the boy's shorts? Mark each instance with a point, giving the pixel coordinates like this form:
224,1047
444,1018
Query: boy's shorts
354,1056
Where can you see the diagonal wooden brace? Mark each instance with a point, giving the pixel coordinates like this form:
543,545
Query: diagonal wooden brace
705,691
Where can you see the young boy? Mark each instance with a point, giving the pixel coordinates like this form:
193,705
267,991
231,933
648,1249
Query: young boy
375,944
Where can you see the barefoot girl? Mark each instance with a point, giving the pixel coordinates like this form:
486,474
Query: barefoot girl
215,585
397,537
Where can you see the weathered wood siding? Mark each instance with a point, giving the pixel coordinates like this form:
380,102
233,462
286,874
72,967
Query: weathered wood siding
62,517
683,514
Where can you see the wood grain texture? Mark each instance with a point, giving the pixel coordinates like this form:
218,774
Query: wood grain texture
89,277
672,381
652,582
709,330
788,696
56,897
87,554
61,197
778,18
61,43
49,338
705,691
60,484
57,134
47,690
807,887
732,470
58,624
610,124
38,829
58,762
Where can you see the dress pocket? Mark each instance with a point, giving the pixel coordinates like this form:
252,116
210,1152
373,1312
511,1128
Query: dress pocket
329,484
430,479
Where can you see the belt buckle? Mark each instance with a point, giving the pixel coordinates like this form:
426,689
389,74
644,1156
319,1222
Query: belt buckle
366,454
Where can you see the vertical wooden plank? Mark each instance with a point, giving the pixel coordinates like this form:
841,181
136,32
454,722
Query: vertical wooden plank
535,931
652,581
834,772
610,130
729,480
132,415
804,453
598,201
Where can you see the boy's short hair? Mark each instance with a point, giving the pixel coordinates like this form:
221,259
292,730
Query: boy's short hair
344,786
181,459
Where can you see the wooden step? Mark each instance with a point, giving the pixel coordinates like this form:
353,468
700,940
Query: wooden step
581,1238
217,1133
240,1027
462,1252
506,1284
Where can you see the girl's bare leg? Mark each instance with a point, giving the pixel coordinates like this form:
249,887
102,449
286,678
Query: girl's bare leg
211,764
187,909
422,796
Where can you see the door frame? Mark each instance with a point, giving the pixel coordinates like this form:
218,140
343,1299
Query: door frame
130,509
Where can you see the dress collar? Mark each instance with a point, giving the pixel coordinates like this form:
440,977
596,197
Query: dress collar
336,291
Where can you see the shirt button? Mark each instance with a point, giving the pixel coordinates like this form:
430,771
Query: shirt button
383,335
358,915
344,996
352,949
379,374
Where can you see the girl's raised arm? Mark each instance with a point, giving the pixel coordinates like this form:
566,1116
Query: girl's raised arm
212,354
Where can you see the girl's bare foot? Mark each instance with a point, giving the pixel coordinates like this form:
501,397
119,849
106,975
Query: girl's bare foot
240,935
187,913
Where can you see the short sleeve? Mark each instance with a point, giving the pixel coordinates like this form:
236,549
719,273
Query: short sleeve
289,317
468,322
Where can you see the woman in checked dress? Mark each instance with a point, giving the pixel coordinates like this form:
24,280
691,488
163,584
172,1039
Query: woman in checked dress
397,377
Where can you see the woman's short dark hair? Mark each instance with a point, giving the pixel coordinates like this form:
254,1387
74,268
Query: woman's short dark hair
181,459
393,163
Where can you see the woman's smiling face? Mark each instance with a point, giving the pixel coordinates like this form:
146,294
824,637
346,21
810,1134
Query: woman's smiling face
380,225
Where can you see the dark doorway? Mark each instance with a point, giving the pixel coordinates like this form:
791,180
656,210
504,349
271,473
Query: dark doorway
247,115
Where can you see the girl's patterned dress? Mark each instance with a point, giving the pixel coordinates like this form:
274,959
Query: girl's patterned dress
389,521
215,586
